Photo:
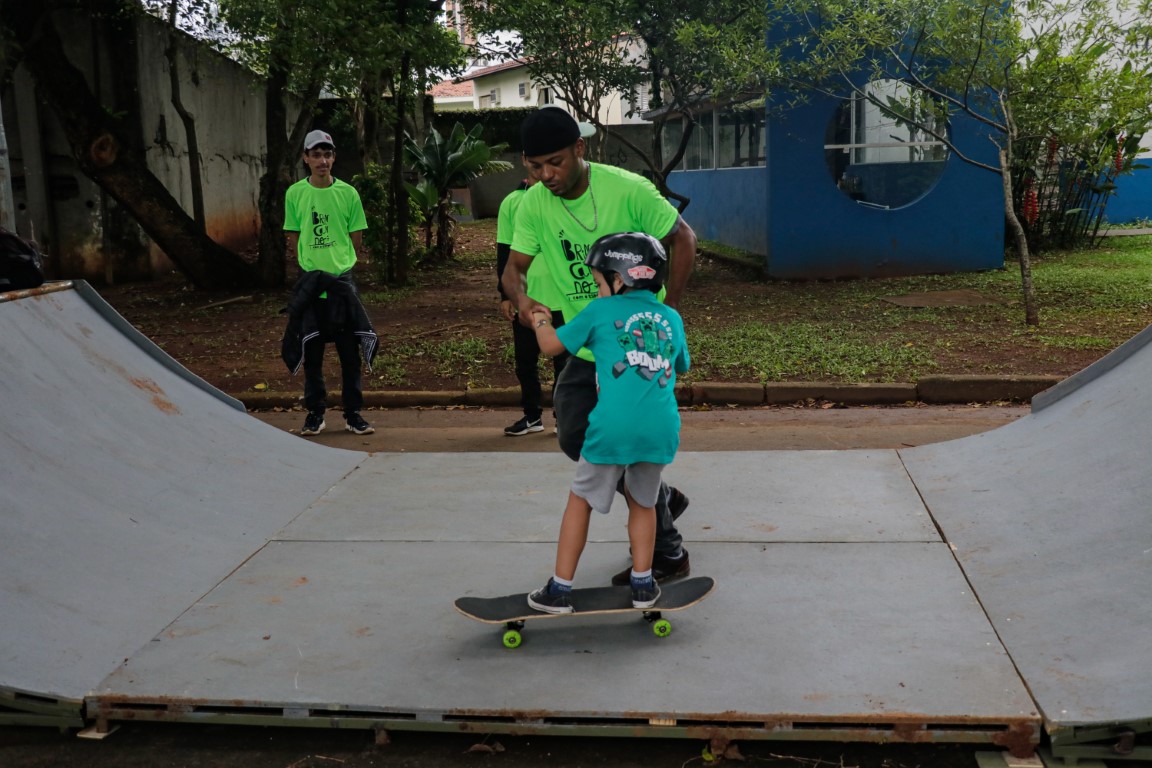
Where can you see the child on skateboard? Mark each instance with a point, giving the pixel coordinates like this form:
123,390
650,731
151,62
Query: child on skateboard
634,430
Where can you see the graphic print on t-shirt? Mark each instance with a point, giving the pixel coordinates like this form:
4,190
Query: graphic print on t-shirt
579,285
320,230
646,338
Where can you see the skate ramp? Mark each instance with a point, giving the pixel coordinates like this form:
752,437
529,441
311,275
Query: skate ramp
130,489
166,557
1051,520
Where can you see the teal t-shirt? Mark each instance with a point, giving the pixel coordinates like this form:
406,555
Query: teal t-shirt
540,285
640,347
325,219
561,232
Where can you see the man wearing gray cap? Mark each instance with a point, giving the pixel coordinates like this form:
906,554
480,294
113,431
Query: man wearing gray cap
323,222
575,203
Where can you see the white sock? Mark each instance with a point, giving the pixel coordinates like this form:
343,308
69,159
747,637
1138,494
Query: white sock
564,584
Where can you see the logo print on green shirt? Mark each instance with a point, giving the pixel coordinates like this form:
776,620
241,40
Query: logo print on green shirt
320,227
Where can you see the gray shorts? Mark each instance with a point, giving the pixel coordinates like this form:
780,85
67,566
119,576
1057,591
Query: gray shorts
596,483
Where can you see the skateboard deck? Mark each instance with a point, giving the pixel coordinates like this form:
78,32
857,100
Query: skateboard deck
513,611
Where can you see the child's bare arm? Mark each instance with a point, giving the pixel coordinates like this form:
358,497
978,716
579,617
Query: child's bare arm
545,333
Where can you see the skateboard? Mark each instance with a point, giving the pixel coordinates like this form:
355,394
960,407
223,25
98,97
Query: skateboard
513,611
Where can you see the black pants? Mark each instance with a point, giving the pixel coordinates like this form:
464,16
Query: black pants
348,350
527,353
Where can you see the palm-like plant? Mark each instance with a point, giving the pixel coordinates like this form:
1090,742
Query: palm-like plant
444,165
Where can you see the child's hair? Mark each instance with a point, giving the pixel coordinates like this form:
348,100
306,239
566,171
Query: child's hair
638,258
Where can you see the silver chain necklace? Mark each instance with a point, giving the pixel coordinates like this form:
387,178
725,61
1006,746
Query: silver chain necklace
595,212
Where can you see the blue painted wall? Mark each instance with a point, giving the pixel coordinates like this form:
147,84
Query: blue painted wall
816,231
1132,200
792,213
728,205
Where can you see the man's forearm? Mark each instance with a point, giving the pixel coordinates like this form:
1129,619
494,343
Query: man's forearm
681,259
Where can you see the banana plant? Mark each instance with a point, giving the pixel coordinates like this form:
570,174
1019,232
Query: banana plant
445,164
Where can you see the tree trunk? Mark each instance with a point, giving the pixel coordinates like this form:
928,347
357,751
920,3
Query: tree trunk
275,181
399,193
445,243
188,119
105,158
1031,315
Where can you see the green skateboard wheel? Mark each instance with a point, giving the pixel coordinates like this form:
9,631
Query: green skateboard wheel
512,639
662,628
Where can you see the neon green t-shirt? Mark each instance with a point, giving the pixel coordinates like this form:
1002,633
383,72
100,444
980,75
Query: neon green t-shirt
540,285
325,219
561,232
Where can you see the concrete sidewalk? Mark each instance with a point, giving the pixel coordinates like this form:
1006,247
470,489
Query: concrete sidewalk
764,428
930,390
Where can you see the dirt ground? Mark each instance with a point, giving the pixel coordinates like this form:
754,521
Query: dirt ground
233,340
194,746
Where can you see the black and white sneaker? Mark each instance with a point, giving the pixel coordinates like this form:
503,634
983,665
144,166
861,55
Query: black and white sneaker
523,427
357,425
544,599
313,424
645,595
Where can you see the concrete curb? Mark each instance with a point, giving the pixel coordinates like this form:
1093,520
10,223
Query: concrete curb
935,390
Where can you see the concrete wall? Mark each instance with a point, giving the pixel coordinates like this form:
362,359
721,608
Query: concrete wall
85,233
228,104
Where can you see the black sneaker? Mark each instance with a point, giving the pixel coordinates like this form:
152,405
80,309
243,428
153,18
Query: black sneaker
663,569
543,599
356,424
646,595
313,424
677,503
523,427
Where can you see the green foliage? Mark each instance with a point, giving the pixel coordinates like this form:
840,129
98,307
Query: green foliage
500,126
1061,86
810,351
446,164
687,54
376,195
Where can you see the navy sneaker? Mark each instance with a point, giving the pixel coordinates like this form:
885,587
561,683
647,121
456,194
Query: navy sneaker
549,601
313,424
663,569
523,427
357,425
645,593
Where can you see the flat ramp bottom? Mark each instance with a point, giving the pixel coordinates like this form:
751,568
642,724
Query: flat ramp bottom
866,641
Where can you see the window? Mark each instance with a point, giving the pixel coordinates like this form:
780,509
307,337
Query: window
699,155
740,135
640,99
882,147
729,137
523,90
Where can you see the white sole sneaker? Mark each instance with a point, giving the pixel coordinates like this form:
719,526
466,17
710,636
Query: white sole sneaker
310,432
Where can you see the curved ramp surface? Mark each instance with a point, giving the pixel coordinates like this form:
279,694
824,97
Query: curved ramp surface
1051,520
130,489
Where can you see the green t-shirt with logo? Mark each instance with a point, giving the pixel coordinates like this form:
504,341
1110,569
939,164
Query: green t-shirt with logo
560,232
325,218
540,285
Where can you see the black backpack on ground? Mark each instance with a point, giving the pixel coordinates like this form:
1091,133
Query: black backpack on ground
21,265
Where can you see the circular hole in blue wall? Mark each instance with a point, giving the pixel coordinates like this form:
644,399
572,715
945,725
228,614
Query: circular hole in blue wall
883,144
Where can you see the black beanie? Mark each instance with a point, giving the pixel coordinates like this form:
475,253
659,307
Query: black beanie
548,130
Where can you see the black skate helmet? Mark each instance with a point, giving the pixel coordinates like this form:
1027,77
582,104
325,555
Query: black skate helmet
638,258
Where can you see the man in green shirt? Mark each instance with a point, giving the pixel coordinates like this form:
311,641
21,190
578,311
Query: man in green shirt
574,204
323,222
